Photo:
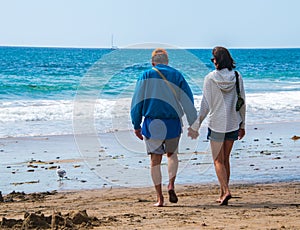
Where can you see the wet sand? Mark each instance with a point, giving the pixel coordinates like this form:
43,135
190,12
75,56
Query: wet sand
266,154
253,206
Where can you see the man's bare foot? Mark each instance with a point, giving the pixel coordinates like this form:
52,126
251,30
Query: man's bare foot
158,204
172,196
160,201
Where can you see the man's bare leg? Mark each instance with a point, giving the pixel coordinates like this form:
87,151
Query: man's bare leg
157,178
172,170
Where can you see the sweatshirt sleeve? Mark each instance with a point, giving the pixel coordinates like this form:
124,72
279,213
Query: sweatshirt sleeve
187,102
137,104
204,107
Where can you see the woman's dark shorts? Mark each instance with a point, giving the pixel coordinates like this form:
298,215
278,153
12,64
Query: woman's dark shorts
220,137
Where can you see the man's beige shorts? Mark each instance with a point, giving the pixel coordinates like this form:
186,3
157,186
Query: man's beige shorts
162,146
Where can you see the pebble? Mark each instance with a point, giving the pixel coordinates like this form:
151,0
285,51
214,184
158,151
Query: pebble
276,158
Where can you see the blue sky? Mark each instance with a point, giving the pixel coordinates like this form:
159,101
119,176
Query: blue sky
188,23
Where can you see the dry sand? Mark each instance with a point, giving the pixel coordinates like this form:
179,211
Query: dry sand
256,206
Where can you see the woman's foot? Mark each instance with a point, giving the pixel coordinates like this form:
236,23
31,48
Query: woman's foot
219,200
225,199
158,204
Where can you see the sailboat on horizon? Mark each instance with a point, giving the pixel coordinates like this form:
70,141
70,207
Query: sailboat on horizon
113,47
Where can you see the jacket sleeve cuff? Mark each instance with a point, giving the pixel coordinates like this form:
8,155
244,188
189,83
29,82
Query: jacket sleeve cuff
136,127
242,125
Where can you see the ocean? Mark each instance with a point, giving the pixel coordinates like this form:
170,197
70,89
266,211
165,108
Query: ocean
40,88
48,96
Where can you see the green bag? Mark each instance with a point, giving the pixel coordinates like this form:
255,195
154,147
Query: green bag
240,102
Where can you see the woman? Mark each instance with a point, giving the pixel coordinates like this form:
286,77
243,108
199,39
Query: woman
225,124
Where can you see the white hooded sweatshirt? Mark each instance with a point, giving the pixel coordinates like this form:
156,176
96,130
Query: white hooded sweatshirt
218,102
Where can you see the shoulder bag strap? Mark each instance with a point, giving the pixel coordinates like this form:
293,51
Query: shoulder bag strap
172,89
237,83
167,82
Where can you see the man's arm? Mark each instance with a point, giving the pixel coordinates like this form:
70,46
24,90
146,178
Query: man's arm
187,102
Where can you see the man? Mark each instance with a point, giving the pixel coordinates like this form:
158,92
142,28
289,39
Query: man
162,96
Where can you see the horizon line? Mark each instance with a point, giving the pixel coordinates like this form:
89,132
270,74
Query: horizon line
120,47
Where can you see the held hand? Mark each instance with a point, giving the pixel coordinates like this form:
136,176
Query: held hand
241,134
192,133
138,133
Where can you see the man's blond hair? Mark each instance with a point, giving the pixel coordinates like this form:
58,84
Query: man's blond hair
160,56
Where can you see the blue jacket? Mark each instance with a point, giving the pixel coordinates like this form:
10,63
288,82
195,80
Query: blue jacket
154,98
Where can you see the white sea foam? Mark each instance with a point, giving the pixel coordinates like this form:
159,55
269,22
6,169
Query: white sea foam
56,117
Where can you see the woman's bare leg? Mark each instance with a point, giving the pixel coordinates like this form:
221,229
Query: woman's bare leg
228,144
218,152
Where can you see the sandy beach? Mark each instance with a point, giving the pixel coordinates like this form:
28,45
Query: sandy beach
253,206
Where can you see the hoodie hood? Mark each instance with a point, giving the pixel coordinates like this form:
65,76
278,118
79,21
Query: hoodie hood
224,79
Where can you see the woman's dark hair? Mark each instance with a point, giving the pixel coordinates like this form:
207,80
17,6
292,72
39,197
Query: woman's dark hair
223,58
